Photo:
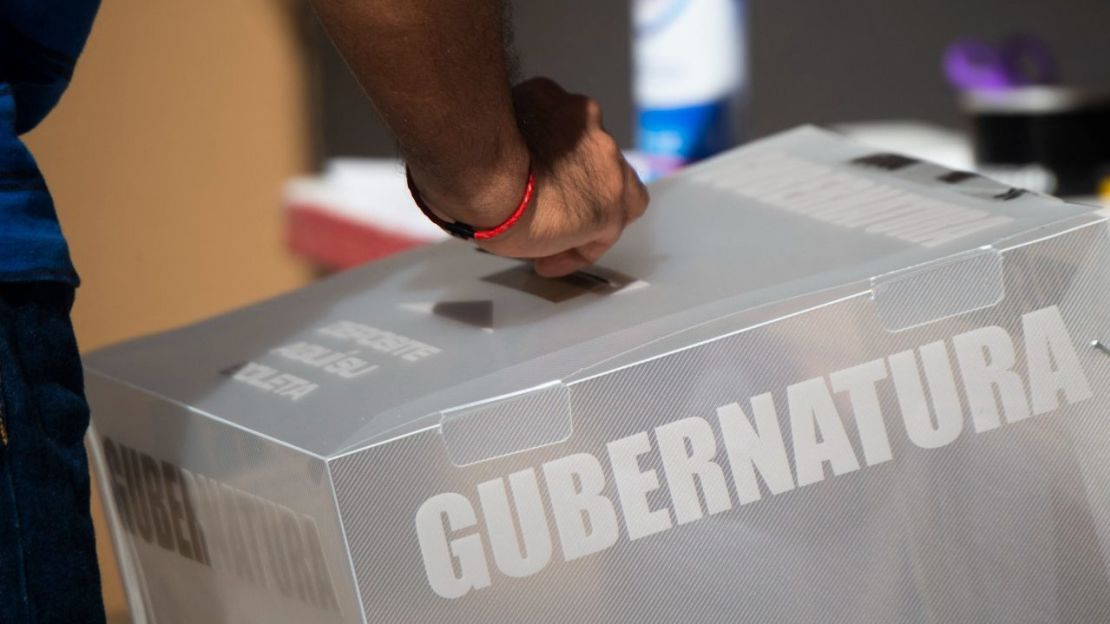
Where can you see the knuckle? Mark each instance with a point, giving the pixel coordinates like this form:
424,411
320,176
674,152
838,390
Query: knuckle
608,145
593,109
635,204
638,209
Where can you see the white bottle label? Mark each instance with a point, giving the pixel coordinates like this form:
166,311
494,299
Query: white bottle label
686,52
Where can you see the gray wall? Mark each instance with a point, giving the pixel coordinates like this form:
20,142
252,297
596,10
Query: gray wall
584,44
811,61
850,60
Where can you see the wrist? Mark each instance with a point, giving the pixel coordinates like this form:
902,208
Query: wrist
482,194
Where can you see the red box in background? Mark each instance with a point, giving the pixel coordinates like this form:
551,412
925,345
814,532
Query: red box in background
356,211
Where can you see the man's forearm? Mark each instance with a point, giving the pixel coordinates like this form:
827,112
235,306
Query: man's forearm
436,71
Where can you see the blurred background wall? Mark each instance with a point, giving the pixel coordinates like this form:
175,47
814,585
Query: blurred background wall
168,154
809,62
584,44
855,60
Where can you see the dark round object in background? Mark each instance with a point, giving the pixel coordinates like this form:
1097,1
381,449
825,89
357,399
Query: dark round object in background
1066,130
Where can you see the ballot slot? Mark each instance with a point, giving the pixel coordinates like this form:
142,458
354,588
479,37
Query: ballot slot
596,280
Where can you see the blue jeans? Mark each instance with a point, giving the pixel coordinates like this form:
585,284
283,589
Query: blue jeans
48,570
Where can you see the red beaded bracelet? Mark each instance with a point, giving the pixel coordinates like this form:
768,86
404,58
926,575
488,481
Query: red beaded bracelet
466,231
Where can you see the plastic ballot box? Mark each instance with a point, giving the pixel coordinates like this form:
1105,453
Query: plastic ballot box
815,383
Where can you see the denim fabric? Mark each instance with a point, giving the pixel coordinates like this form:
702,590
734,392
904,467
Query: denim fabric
48,569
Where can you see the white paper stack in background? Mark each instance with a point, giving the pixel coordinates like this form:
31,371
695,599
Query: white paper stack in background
357,210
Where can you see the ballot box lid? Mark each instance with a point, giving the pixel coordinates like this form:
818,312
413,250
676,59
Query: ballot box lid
424,338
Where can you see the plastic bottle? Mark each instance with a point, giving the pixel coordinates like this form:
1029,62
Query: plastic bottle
690,77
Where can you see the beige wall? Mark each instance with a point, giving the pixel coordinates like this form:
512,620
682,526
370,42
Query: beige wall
166,159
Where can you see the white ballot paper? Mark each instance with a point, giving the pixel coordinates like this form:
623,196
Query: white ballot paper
815,383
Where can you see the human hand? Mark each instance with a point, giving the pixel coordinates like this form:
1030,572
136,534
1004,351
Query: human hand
585,194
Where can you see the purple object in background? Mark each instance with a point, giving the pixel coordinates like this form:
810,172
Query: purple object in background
1020,60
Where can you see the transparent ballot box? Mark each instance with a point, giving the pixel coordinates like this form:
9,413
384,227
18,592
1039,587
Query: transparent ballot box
816,383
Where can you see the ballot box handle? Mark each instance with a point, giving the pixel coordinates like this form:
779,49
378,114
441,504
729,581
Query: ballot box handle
514,423
938,290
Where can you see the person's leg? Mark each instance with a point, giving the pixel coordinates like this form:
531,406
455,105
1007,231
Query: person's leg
48,568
